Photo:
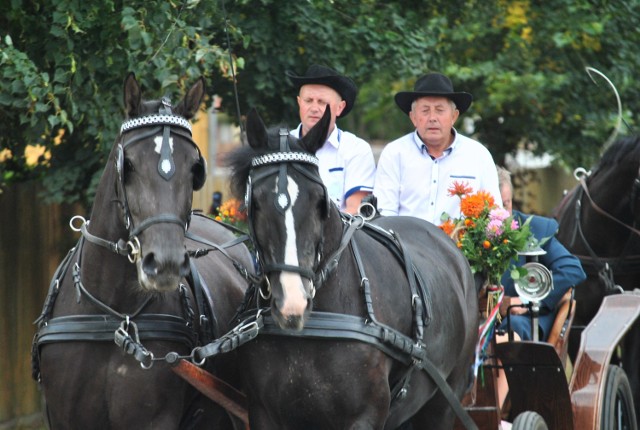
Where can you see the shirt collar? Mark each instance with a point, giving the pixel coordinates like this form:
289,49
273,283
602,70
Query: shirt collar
423,148
334,137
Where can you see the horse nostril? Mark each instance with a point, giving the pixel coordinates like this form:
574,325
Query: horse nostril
150,265
185,269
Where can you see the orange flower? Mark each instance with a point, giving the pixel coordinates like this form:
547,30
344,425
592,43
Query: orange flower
459,189
448,227
486,244
505,241
472,205
468,222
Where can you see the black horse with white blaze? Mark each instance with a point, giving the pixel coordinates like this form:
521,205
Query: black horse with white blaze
366,325
130,292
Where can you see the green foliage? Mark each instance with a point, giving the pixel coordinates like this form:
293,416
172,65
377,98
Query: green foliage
64,71
62,63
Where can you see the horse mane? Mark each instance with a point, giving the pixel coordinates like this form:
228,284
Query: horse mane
626,148
239,160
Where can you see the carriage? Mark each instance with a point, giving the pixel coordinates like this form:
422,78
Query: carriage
547,389
391,352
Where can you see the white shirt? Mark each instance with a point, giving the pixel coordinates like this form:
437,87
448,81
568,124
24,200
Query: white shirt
409,182
347,165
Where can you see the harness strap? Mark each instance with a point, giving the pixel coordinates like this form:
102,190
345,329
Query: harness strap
119,247
221,248
331,263
99,328
54,286
327,325
99,304
603,269
158,219
421,294
603,212
208,320
244,332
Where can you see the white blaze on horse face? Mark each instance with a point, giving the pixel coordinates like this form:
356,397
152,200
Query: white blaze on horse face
295,298
166,165
158,141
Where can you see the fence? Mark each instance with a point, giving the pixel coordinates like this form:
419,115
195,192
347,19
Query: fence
33,240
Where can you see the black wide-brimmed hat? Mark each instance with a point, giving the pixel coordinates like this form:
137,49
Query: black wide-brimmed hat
323,75
436,85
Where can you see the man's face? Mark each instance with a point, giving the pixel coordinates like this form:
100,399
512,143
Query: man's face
507,197
433,117
313,100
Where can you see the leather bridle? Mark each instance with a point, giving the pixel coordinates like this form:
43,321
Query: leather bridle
165,123
277,163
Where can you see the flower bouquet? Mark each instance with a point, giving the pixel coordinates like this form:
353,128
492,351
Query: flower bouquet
490,238
231,212
487,234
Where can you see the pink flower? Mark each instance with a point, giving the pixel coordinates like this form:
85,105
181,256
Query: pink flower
494,228
514,224
499,214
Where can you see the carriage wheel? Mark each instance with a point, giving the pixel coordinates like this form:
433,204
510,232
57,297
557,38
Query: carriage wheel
617,405
529,420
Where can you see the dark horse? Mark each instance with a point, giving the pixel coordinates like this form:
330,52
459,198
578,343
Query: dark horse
159,304
394,302
599,221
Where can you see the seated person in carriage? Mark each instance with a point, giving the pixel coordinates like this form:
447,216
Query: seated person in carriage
565,268
566,272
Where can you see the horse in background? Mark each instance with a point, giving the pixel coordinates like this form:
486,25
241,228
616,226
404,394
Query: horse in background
165,302
598,222
354,312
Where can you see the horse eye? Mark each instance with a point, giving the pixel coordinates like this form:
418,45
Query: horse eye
128,168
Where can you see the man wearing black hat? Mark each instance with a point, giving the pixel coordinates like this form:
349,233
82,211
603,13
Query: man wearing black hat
415,171
347,166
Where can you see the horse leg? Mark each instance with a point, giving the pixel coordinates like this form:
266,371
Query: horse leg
438,413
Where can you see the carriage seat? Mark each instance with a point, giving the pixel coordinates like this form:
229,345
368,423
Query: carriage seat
559,334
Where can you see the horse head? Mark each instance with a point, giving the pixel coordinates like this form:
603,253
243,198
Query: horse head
155,168
287,206
611,202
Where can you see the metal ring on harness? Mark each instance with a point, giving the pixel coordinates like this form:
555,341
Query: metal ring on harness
580,173
367,211
147,353
134,246
193,356
75,218
268,296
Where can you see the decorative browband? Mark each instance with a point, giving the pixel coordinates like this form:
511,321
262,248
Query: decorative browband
145,121
284,157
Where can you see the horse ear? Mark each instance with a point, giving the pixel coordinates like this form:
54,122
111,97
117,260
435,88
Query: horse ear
317,136
192,101
256,130
132,95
